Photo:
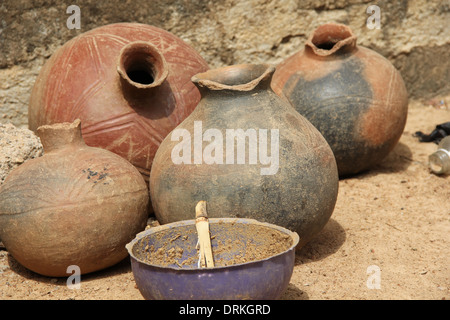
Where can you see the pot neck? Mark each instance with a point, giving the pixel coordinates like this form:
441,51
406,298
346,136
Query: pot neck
57,136
244,79
141,67
330,40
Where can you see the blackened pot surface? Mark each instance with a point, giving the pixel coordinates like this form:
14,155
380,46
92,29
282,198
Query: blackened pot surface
298,191
351,94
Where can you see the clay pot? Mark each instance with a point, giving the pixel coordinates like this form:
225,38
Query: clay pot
351,94
129,84
75,205
283,172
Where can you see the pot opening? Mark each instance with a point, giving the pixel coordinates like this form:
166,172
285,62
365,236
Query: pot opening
326,45
331,37
140,73
237,77
141,65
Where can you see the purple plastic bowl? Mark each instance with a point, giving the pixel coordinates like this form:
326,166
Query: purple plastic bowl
264,279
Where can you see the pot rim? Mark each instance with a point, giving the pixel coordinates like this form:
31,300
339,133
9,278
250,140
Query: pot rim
292,234
211,79
148,57
340,34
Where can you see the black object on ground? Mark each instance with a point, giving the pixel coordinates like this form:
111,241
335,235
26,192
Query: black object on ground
441,131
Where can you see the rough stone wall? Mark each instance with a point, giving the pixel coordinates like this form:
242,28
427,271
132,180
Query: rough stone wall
414,35
17,146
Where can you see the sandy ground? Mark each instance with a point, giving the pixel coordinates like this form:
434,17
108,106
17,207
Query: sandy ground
388,237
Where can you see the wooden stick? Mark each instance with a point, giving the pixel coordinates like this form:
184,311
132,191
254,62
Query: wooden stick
204,237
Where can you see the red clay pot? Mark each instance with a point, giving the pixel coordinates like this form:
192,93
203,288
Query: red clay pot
129,84
75,205
353,95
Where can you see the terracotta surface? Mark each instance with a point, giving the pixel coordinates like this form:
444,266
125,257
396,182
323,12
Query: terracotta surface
129,83
299,194
354,96
75,205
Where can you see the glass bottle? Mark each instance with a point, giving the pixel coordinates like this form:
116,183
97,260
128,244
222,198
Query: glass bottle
439,161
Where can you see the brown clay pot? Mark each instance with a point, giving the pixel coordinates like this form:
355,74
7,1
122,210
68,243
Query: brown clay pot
352,95
129,84
248,154
75,205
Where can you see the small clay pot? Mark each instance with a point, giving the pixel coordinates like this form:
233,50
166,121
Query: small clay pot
75,205
128,83
249,154
352,95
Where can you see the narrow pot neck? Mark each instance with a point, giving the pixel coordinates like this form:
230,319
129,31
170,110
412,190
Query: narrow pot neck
235,80
141,67
57,136
331,40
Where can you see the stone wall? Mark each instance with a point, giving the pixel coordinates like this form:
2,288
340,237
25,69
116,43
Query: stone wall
414,35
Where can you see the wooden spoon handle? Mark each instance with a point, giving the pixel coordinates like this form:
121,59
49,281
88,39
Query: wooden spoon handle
204,237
